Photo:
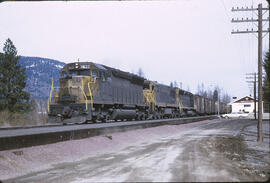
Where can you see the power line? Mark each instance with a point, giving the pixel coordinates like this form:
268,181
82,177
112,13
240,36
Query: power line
224,6
260,32
253,80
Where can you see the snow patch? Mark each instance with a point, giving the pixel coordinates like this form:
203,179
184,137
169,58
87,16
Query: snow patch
59,66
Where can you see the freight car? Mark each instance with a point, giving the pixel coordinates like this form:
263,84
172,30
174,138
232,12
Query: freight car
222,108
93,92
206,106
199,104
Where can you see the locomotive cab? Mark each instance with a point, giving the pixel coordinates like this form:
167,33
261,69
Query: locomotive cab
72,101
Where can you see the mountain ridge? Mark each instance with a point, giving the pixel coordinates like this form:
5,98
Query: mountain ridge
39,73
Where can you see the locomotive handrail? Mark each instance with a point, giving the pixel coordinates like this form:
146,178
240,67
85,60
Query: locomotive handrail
92,81
178,99
86,107
91,95
149,95
50,98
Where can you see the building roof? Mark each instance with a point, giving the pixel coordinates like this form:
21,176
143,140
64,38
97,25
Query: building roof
245,99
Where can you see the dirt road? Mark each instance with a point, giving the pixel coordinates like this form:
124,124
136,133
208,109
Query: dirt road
220,150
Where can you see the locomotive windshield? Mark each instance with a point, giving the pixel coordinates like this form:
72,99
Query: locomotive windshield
80,73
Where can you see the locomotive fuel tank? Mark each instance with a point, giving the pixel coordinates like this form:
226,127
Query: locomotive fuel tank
123,114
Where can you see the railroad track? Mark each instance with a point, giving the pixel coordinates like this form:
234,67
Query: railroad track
19,137
60,125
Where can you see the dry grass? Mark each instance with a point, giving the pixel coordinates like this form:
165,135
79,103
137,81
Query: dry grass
22,119
4,117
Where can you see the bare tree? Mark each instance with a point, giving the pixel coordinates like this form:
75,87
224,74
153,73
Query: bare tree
215,94
188,89
175,84
226,98
200,90
180,85
140,72
209,93
171,84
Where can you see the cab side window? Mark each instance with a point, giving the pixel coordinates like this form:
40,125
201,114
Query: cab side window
94,74
63,74
103,78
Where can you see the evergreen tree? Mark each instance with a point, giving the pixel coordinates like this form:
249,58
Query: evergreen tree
12,80
266,83
215,95
2,97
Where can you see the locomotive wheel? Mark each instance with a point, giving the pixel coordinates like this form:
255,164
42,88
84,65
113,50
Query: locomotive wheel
105,118
142,117
94,119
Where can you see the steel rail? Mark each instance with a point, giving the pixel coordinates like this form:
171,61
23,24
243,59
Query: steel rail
21,138
111,121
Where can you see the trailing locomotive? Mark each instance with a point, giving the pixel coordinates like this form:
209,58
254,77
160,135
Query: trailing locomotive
93,92
166,101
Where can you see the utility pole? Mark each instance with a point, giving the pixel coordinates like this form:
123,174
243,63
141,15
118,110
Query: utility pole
255,96
269,23
218,104
254,82
260,31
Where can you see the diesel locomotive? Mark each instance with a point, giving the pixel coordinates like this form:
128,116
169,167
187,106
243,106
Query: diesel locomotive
91,92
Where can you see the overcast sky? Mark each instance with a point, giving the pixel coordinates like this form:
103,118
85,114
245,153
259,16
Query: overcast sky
188,41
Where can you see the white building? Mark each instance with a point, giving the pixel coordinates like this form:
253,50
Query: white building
245,104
